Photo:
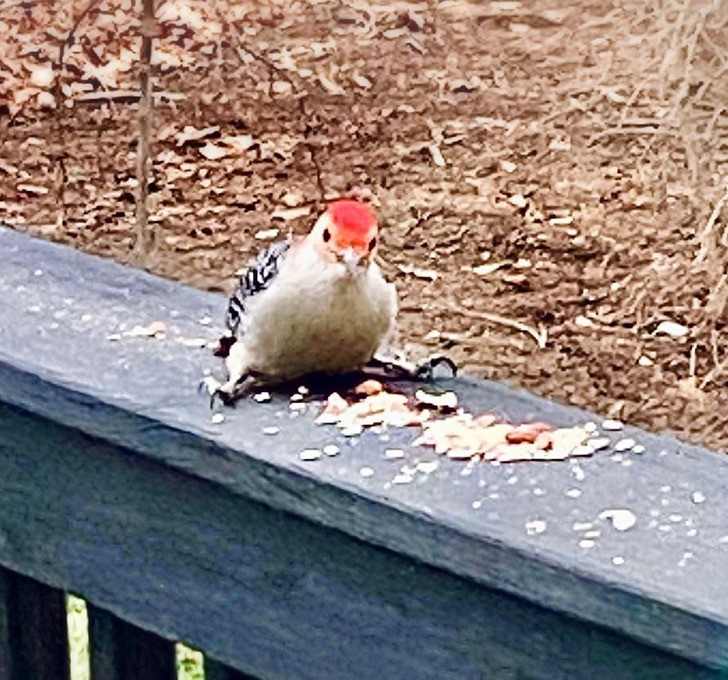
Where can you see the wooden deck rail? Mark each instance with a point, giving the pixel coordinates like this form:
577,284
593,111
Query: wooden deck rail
115,485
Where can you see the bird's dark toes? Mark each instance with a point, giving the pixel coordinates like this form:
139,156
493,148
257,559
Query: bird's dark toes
437,368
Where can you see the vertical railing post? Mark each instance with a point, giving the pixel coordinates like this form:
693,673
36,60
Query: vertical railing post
33,630
121,651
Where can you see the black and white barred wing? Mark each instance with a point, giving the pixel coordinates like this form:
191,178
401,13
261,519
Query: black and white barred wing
254,281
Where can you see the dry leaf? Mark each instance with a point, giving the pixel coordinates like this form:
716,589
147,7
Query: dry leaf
213,152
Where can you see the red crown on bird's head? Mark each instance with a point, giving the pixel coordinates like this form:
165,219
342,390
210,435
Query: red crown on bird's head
355,220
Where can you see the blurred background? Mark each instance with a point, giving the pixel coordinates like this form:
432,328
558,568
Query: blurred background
551,176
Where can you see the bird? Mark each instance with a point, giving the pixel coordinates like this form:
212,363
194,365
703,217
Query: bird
316,305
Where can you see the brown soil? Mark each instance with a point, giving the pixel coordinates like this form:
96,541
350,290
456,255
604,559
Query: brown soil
553,165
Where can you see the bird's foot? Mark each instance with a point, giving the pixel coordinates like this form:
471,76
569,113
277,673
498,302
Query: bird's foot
226,393
435,368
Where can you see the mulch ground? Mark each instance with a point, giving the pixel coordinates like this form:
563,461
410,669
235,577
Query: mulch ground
526,190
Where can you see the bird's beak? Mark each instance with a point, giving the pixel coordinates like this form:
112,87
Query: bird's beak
351,259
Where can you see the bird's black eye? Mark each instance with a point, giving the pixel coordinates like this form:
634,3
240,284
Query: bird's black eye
327,235
373,243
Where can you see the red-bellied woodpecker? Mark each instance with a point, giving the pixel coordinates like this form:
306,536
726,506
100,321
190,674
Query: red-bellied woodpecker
317,305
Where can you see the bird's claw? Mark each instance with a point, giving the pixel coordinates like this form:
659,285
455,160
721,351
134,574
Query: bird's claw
438,367
226,393
217,392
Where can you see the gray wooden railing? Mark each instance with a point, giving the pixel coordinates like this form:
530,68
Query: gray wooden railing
116,486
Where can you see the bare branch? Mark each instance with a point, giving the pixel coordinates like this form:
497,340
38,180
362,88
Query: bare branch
707,240
145,235
540,335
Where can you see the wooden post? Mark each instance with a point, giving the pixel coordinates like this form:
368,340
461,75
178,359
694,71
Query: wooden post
33,630
121,651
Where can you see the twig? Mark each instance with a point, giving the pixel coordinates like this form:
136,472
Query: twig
125,96
540,335
693,360
145,235
713,373
706,236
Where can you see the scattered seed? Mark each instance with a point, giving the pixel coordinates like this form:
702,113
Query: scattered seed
612,425
587,543
691,533
114,337
723,539
599,443
594,533
427,467
297,406
194,343
578,474
205,321
476,505
618,561
625,444
573,493
310,454
590,427
352,430
261,397
538,492
369,387
271,429
446,400
402,479
627,463
582,526
697,497
366,472
217,418
687,555
638,449
393,454
331,450
666,489
460,454
303,390
622,519
675,518
296,397
535,526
